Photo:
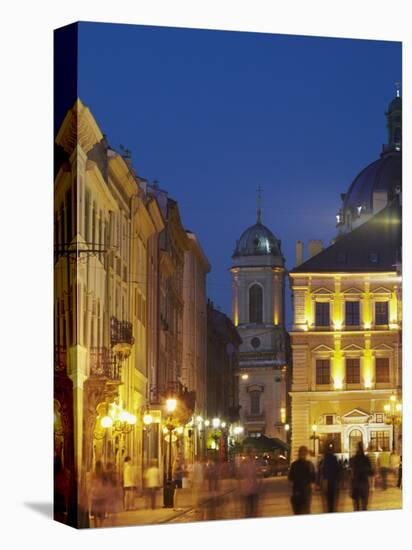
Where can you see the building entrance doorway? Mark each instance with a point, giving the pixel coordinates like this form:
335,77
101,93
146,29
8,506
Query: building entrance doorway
355,437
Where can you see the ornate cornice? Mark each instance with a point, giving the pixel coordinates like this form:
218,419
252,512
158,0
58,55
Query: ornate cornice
78,128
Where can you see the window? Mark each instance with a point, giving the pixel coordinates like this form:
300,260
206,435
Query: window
255,304
329,419
380,440
255,402
331,441
379,418
322,314
353,371
322,371
381,313
352,314
382,370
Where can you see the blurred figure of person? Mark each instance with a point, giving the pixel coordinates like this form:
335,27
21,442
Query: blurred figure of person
198,481
211,474
98,495
302,475
361,471
61,490
128,484
249,485
152,482
113,493
394,461
399,482
331,475
316,463
374,465
178,472
384,468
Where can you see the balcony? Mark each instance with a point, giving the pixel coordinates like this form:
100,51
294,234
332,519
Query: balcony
103,364
121,332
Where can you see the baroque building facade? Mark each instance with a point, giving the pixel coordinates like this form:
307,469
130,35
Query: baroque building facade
258,299
346,334
102,226
127,278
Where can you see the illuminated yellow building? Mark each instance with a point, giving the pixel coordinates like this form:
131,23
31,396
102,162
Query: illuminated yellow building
102,225
346,334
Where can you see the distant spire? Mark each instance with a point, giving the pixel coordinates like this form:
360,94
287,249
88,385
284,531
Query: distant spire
398,88
259,211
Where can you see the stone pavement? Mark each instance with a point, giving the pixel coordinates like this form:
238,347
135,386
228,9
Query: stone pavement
274,500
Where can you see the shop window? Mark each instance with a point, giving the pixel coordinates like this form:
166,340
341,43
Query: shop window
330,441
379,440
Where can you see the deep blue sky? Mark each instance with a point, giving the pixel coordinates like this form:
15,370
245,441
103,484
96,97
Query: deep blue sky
213,114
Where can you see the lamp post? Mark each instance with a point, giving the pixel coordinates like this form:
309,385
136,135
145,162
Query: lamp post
168,495
147,421
393,415
314,437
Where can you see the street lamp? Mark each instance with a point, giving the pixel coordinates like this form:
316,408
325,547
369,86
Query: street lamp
147,421
314,437
168,495
393,415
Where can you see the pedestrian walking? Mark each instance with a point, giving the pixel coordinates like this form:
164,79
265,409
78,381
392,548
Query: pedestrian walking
384,462
302,475
361,471
394,461
330,475
113,491
152,482
374,465
178,472
98,495
399,483
129,484
249,485
61,490
198,482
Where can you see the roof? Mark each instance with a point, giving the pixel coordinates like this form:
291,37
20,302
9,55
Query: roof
384,174
375,246
257,240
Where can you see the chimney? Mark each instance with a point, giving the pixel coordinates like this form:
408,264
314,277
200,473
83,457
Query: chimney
299,252
379,200
314,247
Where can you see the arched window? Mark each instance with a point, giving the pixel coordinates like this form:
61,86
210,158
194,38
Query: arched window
255,304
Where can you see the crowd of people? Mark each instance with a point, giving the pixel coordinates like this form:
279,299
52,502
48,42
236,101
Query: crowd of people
330,476
110,492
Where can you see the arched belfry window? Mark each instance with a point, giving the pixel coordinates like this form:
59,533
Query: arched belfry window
255,304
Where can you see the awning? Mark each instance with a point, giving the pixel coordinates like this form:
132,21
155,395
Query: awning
264,443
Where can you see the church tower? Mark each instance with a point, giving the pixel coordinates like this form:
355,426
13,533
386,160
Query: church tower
258,300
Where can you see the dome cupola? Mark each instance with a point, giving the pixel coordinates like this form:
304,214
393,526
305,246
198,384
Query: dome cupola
380,182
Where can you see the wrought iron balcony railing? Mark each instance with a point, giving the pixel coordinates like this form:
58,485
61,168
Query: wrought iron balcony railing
121,332
103,364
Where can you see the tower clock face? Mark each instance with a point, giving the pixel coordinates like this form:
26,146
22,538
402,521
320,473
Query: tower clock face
255,342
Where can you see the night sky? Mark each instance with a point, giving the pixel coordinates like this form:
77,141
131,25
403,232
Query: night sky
211,115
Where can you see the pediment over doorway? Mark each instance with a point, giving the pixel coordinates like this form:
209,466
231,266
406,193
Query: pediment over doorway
356,416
